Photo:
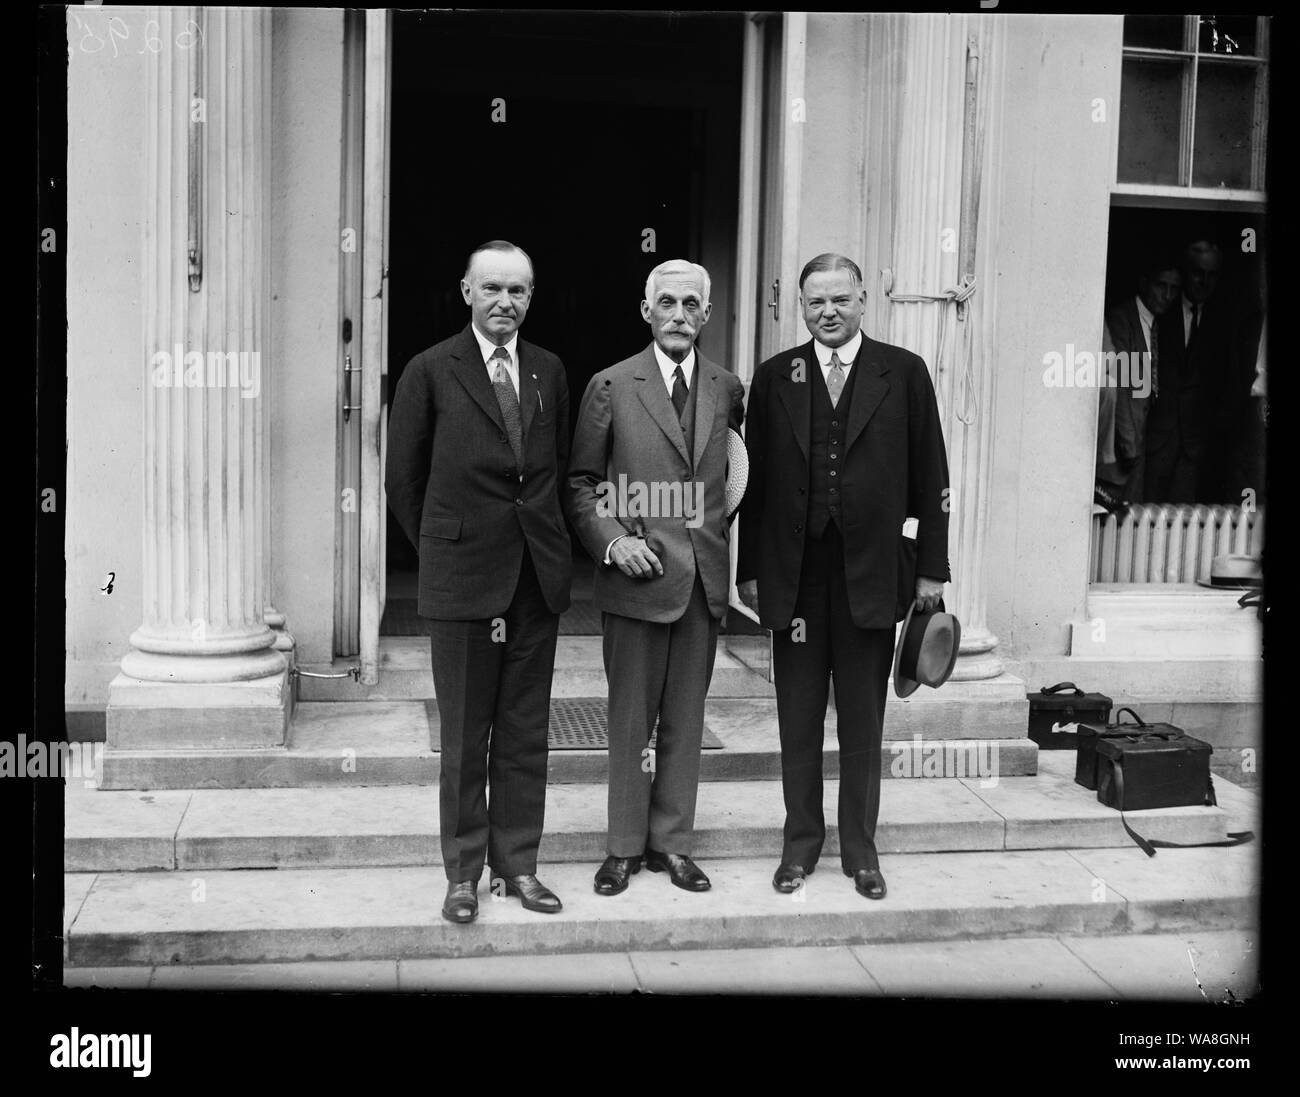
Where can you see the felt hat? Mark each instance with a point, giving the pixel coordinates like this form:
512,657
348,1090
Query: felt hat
927,649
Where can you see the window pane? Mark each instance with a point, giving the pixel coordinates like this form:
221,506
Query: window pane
1225,113
1149,121
1227,34
1157,32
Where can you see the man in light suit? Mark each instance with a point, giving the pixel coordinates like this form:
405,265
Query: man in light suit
654,428
1132,330
844,444
477,447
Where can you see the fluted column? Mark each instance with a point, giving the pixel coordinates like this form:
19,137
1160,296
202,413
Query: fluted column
925,301
205,632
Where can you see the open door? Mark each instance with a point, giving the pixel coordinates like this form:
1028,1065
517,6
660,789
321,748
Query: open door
372,503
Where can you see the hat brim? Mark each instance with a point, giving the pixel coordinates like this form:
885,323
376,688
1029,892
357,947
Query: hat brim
903,686
1231,585
737,472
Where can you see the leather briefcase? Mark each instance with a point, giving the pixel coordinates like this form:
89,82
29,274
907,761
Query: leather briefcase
1055,715
1154,769
1089,735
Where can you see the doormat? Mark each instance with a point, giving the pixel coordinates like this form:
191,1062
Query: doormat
577,723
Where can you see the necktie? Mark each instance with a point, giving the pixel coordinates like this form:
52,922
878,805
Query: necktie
1155,359
679,392
835,379
508,400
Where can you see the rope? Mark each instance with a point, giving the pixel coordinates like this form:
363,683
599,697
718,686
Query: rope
958,295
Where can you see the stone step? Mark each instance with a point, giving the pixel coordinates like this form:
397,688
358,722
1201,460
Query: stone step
233,917
387,742
218,829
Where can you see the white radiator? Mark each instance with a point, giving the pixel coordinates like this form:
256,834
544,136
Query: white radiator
1170,543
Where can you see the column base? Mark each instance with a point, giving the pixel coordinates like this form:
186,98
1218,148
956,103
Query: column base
198,715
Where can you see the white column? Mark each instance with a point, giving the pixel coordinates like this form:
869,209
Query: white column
204,669
922,215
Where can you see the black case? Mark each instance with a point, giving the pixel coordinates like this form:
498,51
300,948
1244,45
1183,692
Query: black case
1085,762
1050,707
1153,769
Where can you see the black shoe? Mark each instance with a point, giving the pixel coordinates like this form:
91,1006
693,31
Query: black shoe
684,872
868,882
532,893
613,875
790,877
461,904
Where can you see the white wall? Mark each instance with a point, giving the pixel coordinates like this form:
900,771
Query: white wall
104,503
1057,169
306,123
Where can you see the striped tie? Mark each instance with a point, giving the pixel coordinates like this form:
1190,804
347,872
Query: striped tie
835,379
508,400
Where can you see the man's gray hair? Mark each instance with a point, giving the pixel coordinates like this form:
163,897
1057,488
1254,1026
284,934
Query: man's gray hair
498,245
677,266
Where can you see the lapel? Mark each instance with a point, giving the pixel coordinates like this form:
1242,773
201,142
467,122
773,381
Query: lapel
467,365
706,399
869,388
529,384
796,395
654,396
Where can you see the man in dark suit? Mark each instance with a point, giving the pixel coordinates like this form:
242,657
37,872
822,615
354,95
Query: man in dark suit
1132,329
844,444
477,447
646,497
1194,355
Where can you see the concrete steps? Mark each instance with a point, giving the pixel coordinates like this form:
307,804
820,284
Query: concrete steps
218,829
243,917
387,743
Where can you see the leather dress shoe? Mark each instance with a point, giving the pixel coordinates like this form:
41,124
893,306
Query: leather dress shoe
790,877
683,872
868,882
532,893
613,875
461,904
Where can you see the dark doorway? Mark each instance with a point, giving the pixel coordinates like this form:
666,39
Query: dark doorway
571,135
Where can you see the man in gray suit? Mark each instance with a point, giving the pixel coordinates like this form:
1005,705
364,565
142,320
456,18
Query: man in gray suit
646,497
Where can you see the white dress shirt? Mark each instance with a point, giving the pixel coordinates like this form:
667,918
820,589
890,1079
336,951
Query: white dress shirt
1187,320
848,352
667,366
511,348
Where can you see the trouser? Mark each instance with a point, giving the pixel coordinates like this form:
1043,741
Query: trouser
657,670
493,682
822,644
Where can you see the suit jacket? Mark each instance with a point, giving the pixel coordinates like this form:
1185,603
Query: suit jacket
1131,409
454,486
627,427
1189,382
895,467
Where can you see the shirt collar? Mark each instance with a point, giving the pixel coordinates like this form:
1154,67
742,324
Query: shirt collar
667,365
1144,314
486,346
848,352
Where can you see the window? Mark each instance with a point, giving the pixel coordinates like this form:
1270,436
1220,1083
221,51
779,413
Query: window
1194,106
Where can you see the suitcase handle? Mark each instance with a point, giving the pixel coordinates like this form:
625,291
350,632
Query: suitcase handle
1063,685
1148,845
1140,722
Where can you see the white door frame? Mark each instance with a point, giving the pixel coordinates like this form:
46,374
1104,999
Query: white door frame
374,337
